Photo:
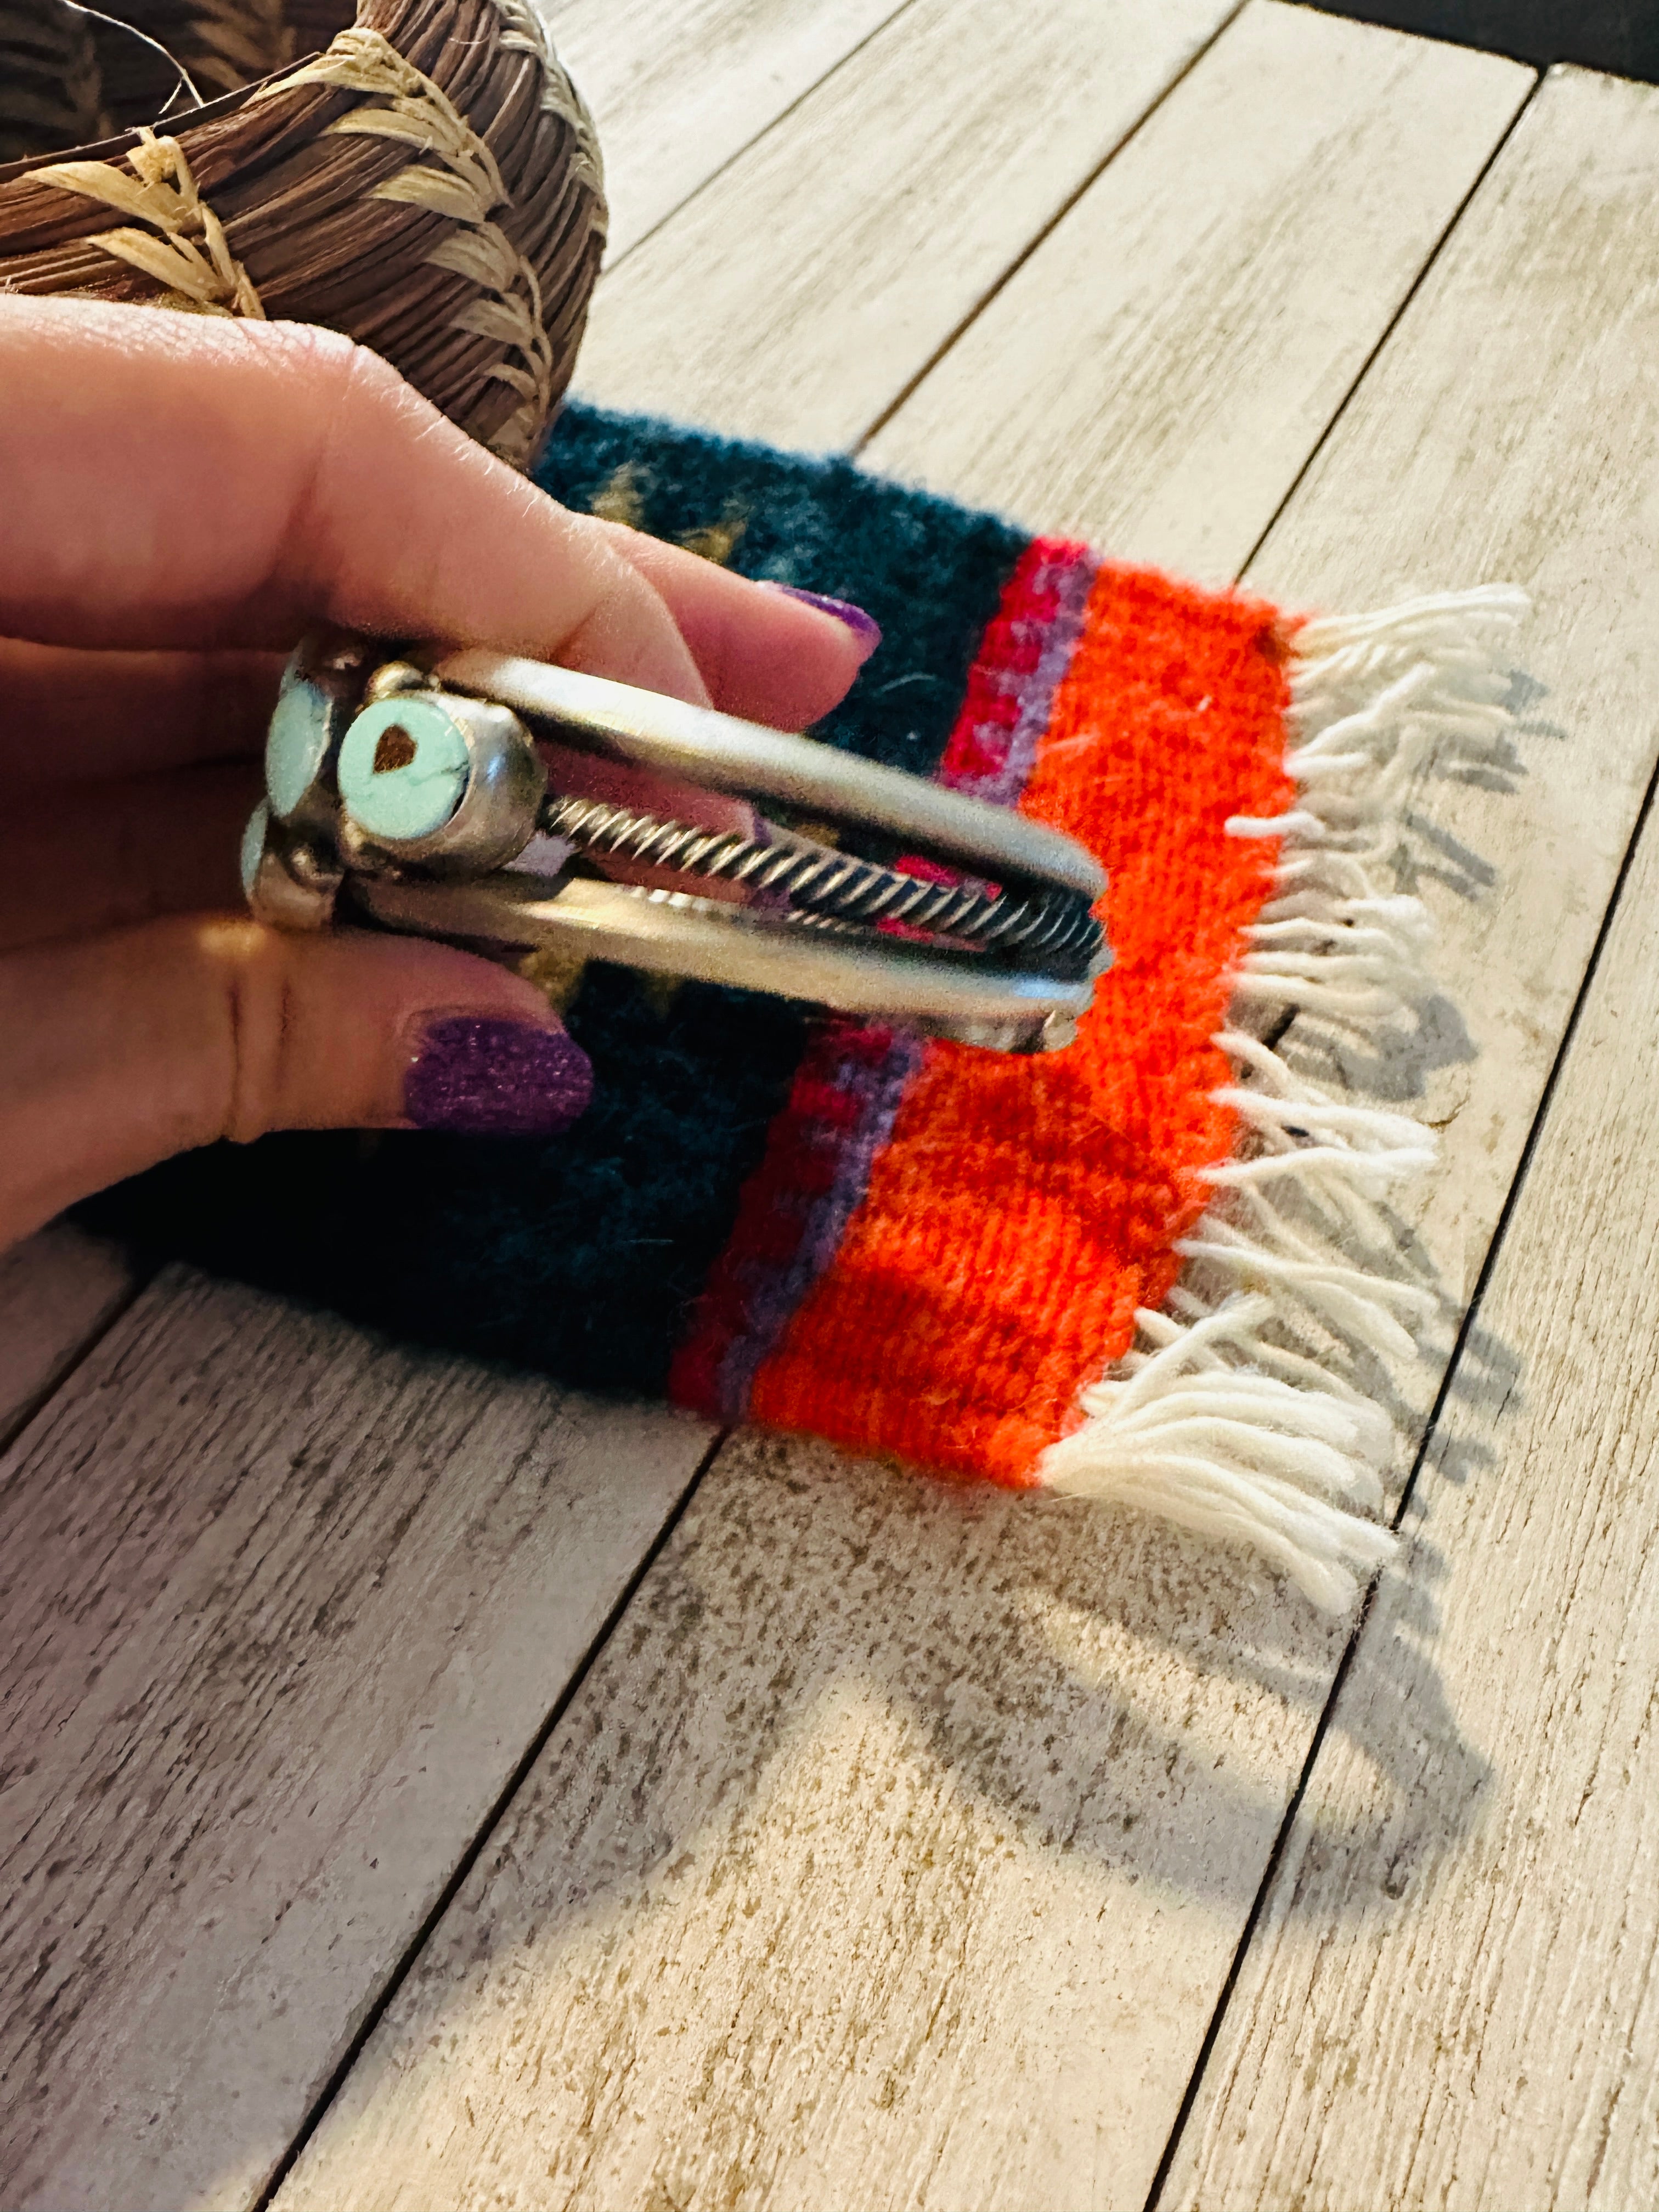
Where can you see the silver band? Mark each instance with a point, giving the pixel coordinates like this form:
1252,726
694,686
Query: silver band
748,760
401,793
666,933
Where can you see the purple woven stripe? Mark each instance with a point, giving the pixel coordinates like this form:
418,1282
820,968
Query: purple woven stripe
1070,575
869,1081
873,1089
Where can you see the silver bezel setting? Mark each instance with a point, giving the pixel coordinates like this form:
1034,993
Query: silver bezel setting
497,816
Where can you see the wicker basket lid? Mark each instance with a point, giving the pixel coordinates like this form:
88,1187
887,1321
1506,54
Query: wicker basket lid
425,179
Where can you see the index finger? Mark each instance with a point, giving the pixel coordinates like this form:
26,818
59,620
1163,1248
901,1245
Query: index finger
173,480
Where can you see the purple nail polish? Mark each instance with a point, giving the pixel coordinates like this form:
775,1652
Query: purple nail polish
477,1075
861,624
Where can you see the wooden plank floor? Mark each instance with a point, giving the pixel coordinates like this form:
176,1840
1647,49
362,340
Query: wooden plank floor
1170,354
284,1609
1449,1997
800,295
897,1847
678,91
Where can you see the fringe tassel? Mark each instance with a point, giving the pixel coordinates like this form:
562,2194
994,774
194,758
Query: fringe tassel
1213,1421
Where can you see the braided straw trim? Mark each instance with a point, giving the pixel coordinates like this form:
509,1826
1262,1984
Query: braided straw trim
527,33
213,283
461,182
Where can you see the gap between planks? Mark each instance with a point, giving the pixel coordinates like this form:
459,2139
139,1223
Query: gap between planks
60,1290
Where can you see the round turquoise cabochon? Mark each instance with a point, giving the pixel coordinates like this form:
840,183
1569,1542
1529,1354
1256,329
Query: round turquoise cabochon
403,766
297,744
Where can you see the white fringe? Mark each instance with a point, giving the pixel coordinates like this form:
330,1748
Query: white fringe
1213,1422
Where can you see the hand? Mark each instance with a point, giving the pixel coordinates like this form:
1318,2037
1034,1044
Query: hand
183,495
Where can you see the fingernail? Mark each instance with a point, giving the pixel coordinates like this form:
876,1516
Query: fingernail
861,624
479,1075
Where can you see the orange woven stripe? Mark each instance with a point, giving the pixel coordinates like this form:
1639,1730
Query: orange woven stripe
1023,1208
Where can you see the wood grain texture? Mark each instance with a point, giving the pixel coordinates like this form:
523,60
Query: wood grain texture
899,1851
1524,454
1171,354
799,294
892,1834
58,1290
677,90
1451,1997
283,1609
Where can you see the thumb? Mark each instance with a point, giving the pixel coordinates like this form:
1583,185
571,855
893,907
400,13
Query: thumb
124,1048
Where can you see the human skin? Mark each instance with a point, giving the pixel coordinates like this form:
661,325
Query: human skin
180,496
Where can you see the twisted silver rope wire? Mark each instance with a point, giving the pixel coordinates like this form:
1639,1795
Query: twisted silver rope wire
1052,930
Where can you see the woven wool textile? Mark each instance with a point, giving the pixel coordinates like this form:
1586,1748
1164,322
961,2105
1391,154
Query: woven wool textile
993,1224
911,1247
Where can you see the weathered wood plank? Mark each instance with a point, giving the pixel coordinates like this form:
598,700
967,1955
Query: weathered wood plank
1449,1998
1510,430
59,1291
283,1609
799,293
678,91
898,1851
885,1859
1172,353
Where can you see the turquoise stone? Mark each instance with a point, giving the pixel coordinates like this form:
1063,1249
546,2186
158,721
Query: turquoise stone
403,766
253,846
297,744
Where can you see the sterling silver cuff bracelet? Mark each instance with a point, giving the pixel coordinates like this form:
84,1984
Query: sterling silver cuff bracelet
409,793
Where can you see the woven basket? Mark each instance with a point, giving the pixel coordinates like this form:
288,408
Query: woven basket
426,179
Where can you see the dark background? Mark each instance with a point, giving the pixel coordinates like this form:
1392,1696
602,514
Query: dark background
1619,35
